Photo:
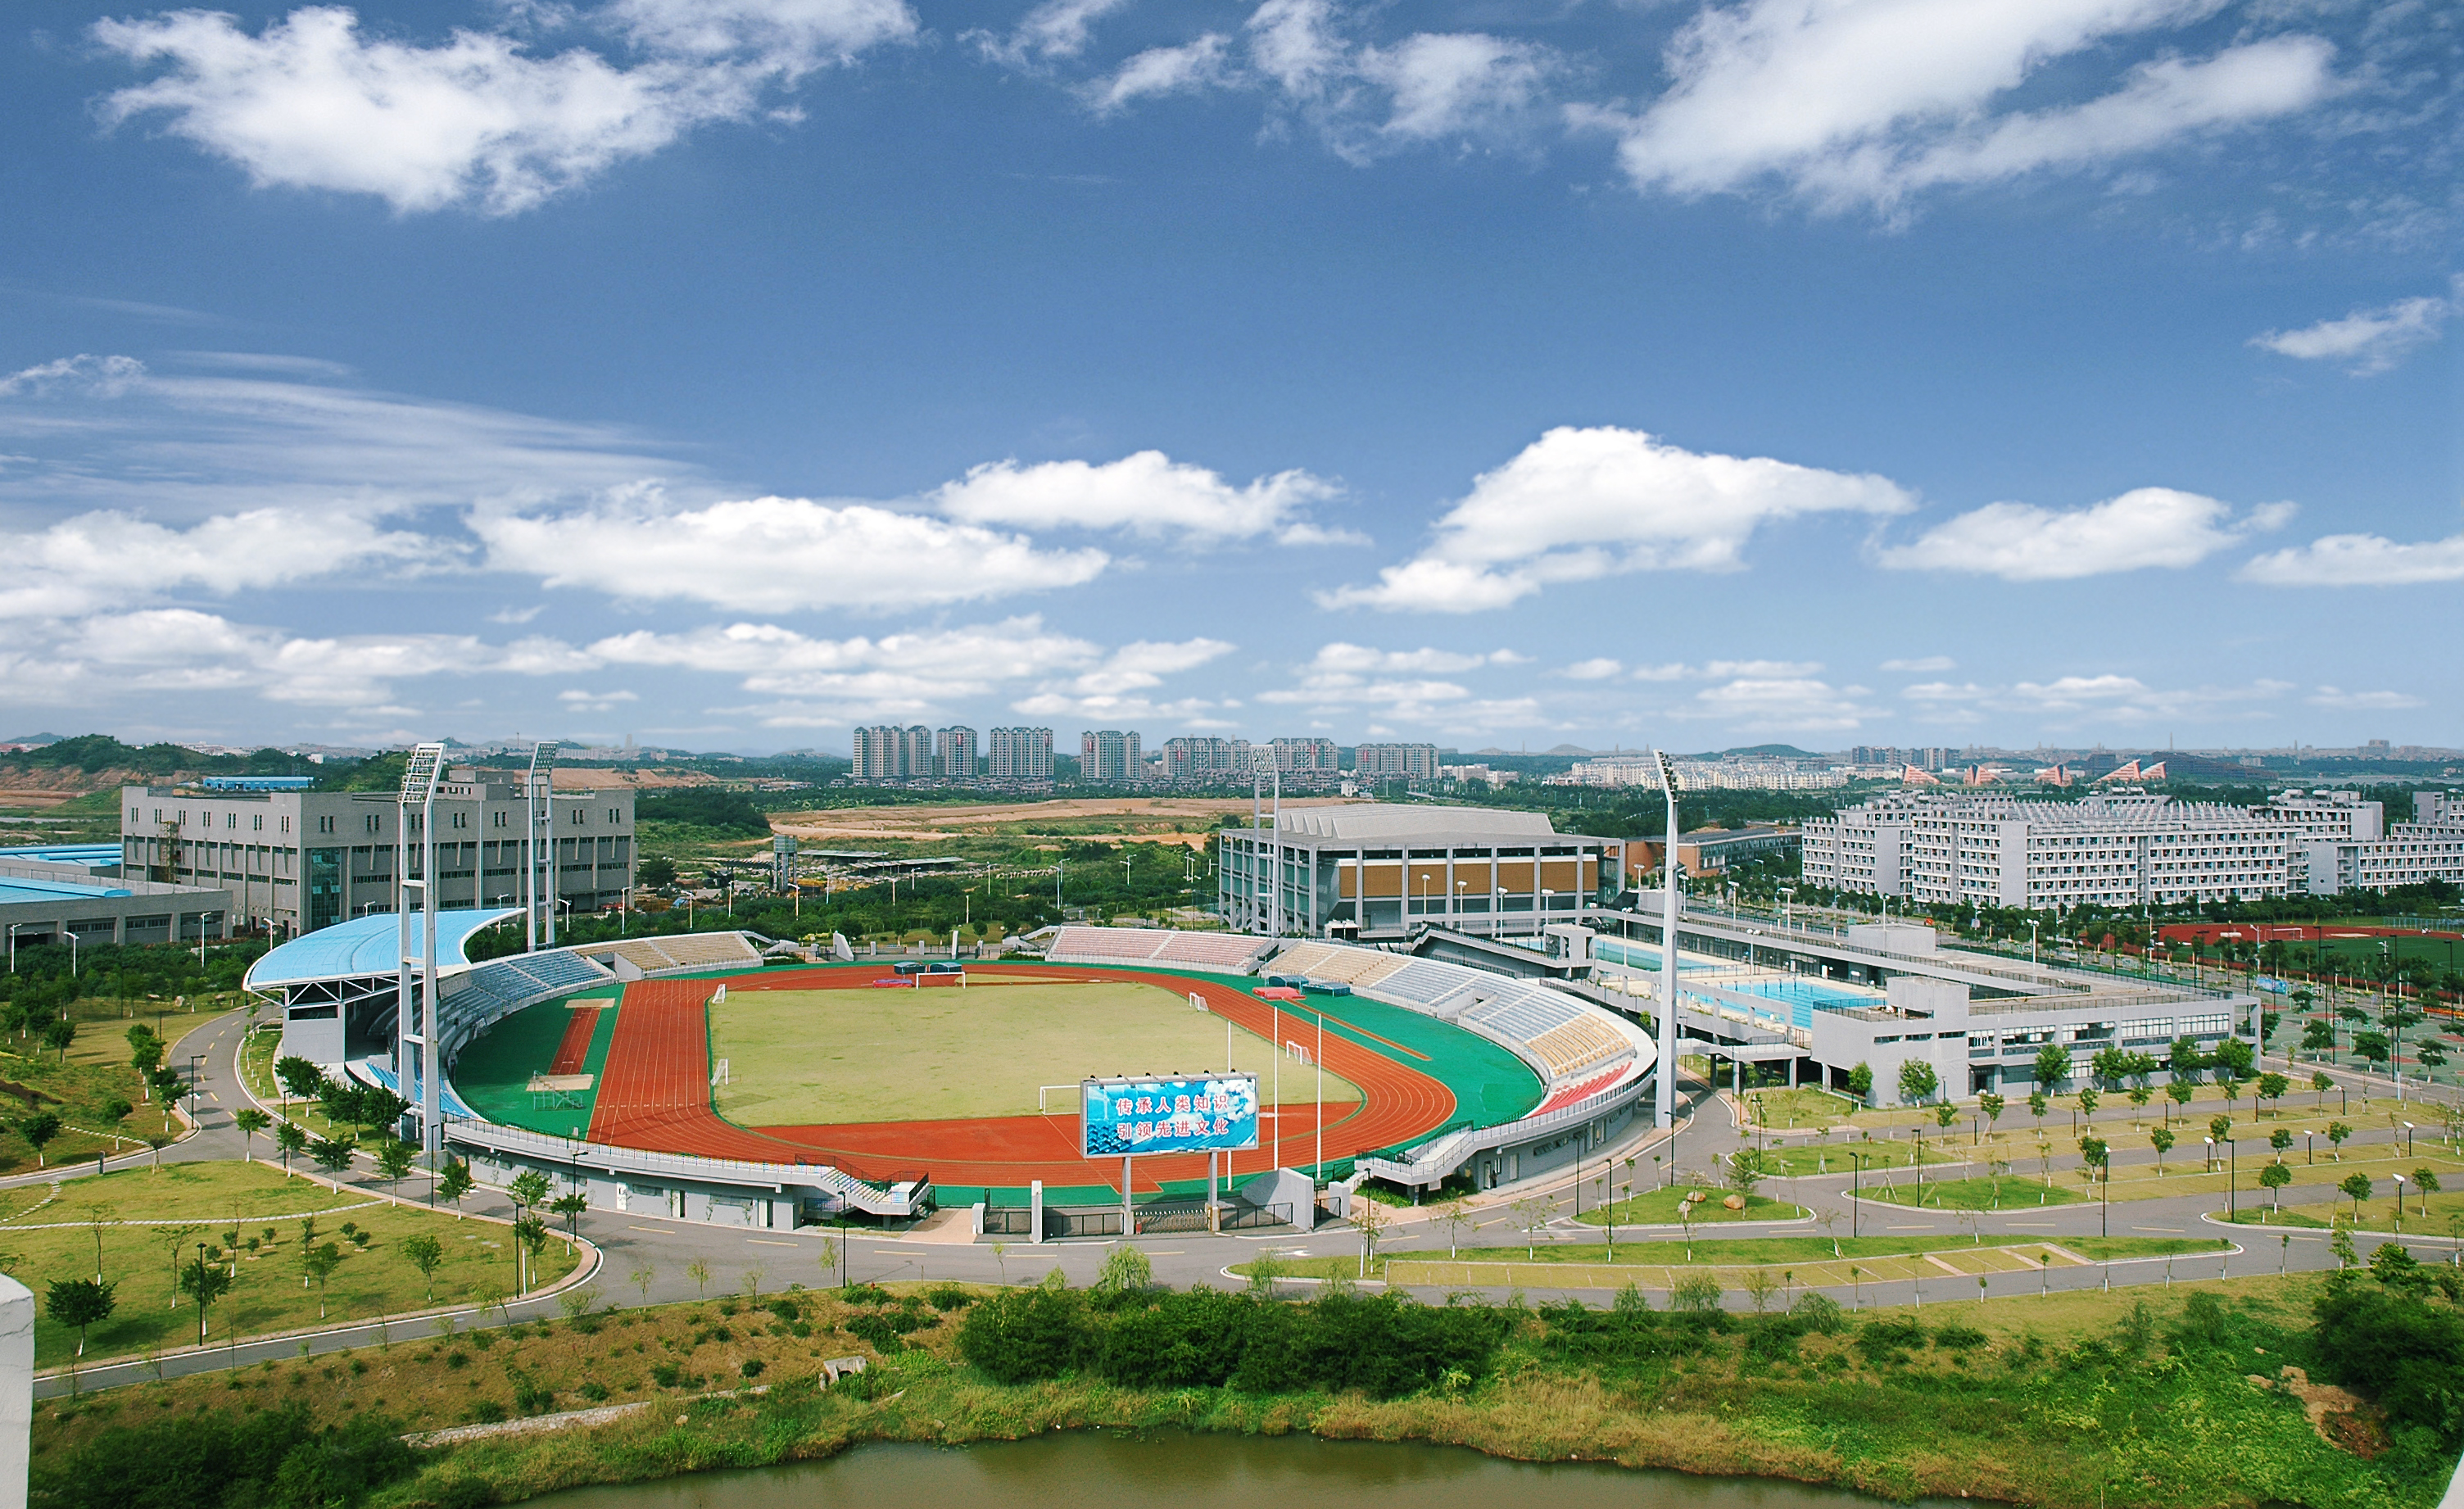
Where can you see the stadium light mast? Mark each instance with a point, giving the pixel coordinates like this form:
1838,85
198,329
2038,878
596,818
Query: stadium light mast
542,763
415,1025
1666,1103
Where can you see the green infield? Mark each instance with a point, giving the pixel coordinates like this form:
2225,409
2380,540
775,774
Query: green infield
799,1057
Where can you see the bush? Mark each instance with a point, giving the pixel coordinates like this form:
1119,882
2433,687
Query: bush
1020,1335
1885,1339
2398,1349
1958,1338
1821,1313
277,1458
948,1297
751,1368
1695,1291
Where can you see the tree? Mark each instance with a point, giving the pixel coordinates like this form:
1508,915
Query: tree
425,1253
1917,1082
2372,1046
2039,1103
80,1302
395,1160
1993,1105
532,1234
699,1272
2272,1179
656,874
321,1261
2426,1180
2052,1067
2233,1059
2087,1100
2318,1035
334,1154
1860,1082
291,1139
2162,1138
249,1120
145,1050
58,1034
1532,1215
1456,1214
1748,1167
2184,1060
2272,1088
2320,1082
300,1078
2337,1132
529,1188
2281,1140
2358,1186
571,1206
203,1283
39,1129
454,1184
2179,1091
1370,1219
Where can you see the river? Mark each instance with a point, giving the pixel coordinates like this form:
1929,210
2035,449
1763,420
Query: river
1194,1471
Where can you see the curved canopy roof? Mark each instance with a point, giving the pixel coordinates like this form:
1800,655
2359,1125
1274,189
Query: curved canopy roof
365,945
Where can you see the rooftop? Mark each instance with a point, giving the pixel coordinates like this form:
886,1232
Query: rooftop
365,945
16,890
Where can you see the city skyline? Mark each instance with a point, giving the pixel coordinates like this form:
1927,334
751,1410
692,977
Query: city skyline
731,377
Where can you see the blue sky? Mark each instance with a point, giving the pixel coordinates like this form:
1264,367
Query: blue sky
729,372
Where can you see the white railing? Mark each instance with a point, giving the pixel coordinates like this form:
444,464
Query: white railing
499,1137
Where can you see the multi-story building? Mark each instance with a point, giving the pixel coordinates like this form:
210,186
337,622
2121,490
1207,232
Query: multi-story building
1205,761
294,862
954,754
1378,870
2362,853
1307,764
1699,775
1022,756
1110,757
890,753
1998,850
1380,762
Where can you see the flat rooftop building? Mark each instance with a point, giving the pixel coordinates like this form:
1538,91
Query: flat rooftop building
1380,870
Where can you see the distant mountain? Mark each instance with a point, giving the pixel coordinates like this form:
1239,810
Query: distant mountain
1767,751
34,739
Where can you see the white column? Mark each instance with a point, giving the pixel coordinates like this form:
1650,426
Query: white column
17,1388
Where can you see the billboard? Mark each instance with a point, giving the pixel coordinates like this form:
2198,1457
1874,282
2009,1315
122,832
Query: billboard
1135,1118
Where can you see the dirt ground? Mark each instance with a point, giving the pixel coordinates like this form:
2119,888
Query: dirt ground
1138,819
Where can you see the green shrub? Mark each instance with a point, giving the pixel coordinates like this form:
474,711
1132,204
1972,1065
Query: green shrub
277,1458
2400,1350
1020,1335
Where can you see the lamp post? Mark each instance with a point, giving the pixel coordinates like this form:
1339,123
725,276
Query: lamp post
1665,1109
1856,1190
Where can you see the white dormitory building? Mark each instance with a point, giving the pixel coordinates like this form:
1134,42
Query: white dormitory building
1699,775
2127,849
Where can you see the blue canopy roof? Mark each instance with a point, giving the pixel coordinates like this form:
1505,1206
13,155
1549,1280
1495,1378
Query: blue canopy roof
15,889
365,945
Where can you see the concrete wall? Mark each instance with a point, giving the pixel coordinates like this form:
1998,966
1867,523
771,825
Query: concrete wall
17,1388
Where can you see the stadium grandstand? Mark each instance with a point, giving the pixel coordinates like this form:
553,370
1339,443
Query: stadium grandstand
1224,953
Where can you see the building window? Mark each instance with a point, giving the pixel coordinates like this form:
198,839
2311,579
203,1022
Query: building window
230,819
286,825
611,817
324,825
461,819
499,818
372,822
256,825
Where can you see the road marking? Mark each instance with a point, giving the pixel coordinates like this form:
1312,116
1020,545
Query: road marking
646,1228
2032,1226
1169,1251
2169,1230
1911,1228
763,1241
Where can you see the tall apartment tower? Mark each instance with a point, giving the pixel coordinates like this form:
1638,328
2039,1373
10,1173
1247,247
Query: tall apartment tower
1411,761
1022,754
877,754
954,754
915,753
1110,757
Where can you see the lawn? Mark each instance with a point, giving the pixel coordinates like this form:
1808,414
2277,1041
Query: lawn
1799,1159
145,1213
1798,1108
804,1057
2005,1192
78,1087
1659,1208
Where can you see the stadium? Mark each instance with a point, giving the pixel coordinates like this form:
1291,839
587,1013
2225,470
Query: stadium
718,1078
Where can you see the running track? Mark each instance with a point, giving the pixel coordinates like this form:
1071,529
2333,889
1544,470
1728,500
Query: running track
654,1094
575,1050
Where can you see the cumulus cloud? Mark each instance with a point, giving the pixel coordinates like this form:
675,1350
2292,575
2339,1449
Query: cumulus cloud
2359,560
1599,668
2104,697
1403,686
87,376
2366,341
1780,704
2365,701
1145,494
773,554
1161,71
96,560
1580,504
1864,103
1057,28
2147,527
311,103
1921,664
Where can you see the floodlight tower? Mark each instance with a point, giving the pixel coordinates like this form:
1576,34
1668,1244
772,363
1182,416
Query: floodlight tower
415,1046
1666,1105
1262,767
542,769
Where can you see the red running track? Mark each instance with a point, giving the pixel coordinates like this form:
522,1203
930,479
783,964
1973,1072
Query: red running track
574,1050
654,1094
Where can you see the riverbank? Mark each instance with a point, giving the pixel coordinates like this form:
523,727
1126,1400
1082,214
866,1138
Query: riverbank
2064,1400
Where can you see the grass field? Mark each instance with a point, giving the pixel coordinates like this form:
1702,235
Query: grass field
798,1057
142,1215
2003,1193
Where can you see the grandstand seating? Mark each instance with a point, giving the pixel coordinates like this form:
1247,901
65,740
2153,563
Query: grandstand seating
1576,1045
1227,953
675,952
555,970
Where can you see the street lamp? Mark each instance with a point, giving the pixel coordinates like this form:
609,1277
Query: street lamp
1856,1187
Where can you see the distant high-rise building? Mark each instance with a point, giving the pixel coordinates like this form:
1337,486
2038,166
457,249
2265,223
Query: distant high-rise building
1411,761
1205,761
1022,754
887,753
954,754
1110,757
1307,761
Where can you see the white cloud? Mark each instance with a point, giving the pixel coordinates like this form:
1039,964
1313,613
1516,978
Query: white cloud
1600,668
310,103
2103,698
576,700
2360,560
2147,527
2365,701
86,376
1056,29
1146,494
1780,704
1579,504
1449,85
2366,341
96,560
1921,664
1161,71
1862,103
773,554
1403,686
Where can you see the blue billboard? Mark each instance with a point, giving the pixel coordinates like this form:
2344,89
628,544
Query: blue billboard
1135,1118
